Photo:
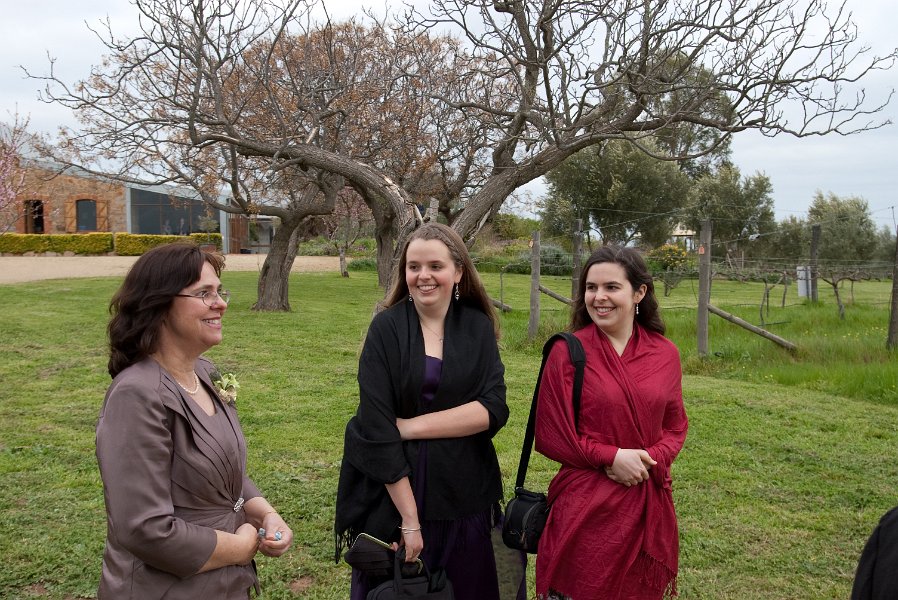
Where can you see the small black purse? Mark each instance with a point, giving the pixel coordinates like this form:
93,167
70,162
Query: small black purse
424,586
526,514
374,558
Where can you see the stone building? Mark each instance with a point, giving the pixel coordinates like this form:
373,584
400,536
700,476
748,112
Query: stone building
68,203
76,201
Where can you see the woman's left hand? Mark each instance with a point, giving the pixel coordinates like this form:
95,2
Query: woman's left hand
275,527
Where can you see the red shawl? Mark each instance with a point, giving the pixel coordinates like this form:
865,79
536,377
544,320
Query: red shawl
604,539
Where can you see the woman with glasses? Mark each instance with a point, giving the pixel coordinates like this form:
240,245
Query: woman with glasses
183,519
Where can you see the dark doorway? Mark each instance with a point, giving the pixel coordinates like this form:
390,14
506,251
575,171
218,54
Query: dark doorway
34,216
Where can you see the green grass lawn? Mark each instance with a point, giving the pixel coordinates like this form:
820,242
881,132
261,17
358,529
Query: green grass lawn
789,462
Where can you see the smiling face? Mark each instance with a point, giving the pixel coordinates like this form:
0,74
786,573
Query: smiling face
431,275
191,325
611,300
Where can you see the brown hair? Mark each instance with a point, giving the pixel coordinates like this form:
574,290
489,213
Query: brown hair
145,297
637,274
470,288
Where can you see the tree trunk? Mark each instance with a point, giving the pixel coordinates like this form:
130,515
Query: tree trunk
533,322
384,235
704,287
815,267
892,338
839,300
274,280
785,288
469,222
385,250
835,285
344,272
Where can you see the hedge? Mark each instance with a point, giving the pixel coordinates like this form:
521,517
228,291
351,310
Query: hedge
79,243
135,244
123,244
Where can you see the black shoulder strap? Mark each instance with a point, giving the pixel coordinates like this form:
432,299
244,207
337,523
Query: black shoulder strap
578,357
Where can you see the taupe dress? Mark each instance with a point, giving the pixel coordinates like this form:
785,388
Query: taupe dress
172,475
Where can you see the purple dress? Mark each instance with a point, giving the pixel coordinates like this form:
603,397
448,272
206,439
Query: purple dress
463,547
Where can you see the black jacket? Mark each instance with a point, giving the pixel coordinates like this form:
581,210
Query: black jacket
463,475
877,571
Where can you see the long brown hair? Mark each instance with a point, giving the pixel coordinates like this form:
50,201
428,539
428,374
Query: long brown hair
637,274
140,305
470,287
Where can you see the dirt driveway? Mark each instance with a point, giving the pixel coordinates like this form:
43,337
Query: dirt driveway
18,269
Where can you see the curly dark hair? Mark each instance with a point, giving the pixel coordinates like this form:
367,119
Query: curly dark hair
638,274
145,297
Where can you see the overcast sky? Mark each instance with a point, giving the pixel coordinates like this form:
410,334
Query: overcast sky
864,165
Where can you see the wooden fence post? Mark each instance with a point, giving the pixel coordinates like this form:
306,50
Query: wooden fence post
704,286
892,341
815,273
533,326
575,272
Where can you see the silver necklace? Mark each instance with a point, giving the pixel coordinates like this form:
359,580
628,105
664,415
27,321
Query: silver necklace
196,384
432,331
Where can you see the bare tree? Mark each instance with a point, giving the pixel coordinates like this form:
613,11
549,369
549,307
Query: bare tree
346,223
468,120
12,175
834,276
221,91
591,70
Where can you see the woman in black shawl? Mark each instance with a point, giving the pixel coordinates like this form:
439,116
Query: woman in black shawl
419,468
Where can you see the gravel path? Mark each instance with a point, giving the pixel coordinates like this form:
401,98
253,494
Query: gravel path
18,269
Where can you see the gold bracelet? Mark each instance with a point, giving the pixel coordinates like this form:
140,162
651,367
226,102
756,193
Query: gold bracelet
409,529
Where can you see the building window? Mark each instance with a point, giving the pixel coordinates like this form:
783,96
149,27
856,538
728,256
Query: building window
34,216
87,215
155,213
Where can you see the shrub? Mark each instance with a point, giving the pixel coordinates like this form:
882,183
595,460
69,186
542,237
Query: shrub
363,247
79,243
134,244
321,246
200,238
495,258
513,227
553,260
668,257
362,264
318,246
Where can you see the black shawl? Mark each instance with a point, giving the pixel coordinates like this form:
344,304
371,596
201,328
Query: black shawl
463,475
877,571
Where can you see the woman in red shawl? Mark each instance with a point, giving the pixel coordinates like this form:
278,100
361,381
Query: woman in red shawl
612,530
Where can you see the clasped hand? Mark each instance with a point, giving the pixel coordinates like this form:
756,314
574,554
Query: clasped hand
630,467
277,539
278,536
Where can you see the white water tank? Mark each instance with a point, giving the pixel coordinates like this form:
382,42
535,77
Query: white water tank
804,281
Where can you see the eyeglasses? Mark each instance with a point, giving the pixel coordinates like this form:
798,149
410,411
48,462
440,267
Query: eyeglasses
209,297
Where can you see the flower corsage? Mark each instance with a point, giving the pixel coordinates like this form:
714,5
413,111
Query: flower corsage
226,385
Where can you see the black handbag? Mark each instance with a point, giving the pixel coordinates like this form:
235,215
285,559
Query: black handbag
425,586
374,557
526,513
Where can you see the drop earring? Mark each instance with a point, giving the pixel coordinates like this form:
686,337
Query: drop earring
410,299
637,309
456,292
